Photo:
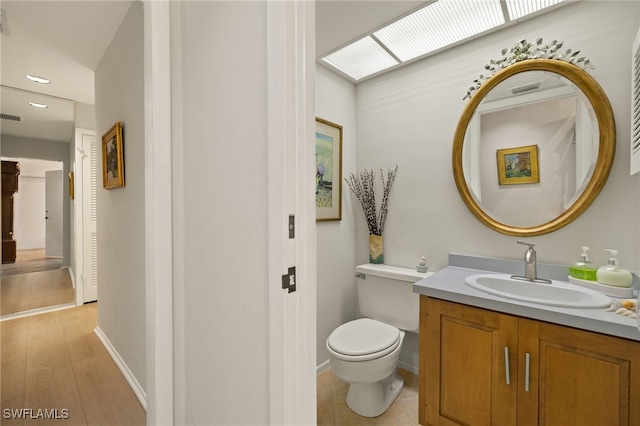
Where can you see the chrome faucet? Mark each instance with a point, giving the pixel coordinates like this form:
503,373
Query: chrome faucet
530,273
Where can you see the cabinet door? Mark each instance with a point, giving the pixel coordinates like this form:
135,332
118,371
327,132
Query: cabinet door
577,377
464,371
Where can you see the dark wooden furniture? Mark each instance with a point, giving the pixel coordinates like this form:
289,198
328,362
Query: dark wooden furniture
10,172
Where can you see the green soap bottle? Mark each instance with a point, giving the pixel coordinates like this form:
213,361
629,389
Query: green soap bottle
583,269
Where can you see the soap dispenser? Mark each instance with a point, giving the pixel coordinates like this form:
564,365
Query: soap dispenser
583,269
614,275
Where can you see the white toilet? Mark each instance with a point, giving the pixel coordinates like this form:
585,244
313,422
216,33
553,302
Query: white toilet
365,352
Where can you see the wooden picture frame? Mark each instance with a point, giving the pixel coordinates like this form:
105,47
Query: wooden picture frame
112,158
328,170
518,165
71,186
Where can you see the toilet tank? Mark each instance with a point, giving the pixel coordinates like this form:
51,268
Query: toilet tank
385,293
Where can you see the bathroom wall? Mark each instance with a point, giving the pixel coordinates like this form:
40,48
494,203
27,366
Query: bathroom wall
336,254
119,80
408,117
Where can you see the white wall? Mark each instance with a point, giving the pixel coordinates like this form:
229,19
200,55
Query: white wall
29,203
119,80
408,117
335,240
221,231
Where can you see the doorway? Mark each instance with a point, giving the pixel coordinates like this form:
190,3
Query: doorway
36,278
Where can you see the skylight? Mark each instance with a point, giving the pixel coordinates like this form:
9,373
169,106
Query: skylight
362,58
437,26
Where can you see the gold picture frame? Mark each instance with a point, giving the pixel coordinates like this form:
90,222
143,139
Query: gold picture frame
71,186
328,170
518,165
112,158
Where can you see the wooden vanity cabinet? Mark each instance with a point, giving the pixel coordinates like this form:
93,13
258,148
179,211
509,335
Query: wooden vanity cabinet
575,377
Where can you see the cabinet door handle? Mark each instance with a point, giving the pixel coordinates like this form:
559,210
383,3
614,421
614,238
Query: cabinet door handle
507,376
527,361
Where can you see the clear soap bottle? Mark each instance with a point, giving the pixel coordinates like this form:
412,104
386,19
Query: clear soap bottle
583,269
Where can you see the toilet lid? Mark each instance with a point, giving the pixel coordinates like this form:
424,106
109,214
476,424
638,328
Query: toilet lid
363,336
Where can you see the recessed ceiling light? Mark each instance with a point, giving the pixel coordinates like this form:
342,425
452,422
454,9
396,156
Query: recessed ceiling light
38,79
37,105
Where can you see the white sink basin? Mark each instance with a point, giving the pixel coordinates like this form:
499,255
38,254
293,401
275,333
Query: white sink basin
557,293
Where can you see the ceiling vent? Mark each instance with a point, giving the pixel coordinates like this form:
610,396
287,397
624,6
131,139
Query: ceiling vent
10,117
526,88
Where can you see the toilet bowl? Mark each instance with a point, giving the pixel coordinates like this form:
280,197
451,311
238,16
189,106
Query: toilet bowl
365,354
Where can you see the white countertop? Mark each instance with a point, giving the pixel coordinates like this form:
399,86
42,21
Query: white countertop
449,284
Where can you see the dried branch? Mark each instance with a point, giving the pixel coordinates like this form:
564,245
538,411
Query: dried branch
362,185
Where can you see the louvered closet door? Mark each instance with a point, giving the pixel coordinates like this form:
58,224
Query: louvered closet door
89,214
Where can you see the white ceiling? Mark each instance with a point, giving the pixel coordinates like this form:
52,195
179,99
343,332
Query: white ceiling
64,41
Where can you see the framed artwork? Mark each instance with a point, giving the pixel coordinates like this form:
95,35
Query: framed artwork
112,158
518,165
71,186
328,170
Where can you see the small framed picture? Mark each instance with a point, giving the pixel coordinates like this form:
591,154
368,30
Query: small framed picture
328,170
112,158
518,165
71,186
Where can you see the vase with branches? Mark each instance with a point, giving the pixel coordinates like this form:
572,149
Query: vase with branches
362,184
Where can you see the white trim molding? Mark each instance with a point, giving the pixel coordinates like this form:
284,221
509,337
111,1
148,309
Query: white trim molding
122,366
291,154
158,213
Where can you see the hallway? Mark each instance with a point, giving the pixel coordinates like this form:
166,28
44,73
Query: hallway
34,290
54,362
31,260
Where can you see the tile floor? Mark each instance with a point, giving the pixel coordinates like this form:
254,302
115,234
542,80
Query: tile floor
333,410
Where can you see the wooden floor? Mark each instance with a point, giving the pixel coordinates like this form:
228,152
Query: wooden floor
54,362
32,260
333,409
23,292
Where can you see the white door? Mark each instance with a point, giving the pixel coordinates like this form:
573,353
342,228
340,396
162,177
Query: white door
53,213
89,216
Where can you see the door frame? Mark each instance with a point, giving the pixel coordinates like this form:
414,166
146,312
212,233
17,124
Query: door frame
292,330
78,229
158,214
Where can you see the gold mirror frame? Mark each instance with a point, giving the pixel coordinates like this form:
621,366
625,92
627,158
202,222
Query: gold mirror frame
607,146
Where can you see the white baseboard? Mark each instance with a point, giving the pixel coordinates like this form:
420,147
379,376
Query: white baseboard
128,375
322,367
37,311
73,278
411,368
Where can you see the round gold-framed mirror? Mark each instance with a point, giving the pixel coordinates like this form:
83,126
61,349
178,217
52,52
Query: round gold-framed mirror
603,139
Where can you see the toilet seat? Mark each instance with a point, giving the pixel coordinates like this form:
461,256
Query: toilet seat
363,339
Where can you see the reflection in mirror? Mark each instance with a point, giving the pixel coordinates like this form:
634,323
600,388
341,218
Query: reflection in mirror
35,277
560,114
532,108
